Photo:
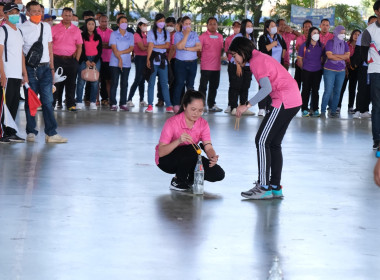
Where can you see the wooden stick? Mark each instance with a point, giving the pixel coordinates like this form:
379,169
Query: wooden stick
237,123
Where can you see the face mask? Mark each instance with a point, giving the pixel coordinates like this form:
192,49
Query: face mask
20,7
76,23
35,19
170,29
144,29
315,37
14,19
124,25
273,30
341,36
249,30
97,23
160,25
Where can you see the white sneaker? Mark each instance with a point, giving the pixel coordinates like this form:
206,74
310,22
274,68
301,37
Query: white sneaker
93,106
249,113
55,139
261,113
31,137
79,106
356,115
142,104
233,112
214,109
130,104
366,115
228,110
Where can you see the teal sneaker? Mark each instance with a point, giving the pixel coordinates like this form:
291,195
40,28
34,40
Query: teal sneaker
277,192
316,114
258,193
305,113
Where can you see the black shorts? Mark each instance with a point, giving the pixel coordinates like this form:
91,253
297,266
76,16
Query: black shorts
105,71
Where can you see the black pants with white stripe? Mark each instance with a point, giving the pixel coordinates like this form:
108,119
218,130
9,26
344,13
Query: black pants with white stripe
268,143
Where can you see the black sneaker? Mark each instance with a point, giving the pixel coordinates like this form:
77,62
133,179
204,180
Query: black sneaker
375,144
14,138
177,185
4,140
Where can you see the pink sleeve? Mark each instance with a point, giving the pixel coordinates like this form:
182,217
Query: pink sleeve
201,38
138,38
206,132
167,132
79,39
259,72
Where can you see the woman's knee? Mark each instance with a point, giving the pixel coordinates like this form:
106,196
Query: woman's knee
215,174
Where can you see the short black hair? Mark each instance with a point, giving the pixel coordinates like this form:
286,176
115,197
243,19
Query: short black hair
31,3
376,6
120,13
170,20
179,20
243,47
103,15
88,14
307,21
211,18
100,13
325,19
120,18
278,21
67,9
371,18
2,4
42,6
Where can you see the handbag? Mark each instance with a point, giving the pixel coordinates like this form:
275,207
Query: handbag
90,74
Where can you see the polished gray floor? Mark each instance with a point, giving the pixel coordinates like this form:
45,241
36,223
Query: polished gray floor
98,207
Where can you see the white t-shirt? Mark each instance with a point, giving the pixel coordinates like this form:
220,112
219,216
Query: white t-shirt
31,33
13,67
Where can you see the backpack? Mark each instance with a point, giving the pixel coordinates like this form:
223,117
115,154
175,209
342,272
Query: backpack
6,40
33,58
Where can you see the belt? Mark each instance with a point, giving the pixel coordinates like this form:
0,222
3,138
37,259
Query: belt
43,64
188,60
64,56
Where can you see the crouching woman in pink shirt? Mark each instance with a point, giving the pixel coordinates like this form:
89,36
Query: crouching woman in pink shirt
176,155
275,81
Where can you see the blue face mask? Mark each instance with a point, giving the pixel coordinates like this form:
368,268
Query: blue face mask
14,19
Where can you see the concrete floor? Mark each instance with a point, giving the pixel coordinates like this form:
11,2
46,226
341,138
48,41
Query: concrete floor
99,208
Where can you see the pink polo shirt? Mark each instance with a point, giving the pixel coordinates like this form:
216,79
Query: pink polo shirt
176,125
105,35
300,40
138,39
284,88
91,46
212,45
324,38
227,45
65,40
171,44
288,37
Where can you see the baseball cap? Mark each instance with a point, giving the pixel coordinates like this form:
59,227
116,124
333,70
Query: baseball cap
143,20
46,16
236,21
9,7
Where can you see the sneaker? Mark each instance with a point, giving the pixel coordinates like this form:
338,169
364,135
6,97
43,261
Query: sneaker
176,185
72,109
215,109
143,104
261,113
176,109
93,106
79,106
376,144
366,115
333,115
258,192
149,109
305,113
356,115
277,191
4,140
124,108
169,109
233,112
55,139
351,110
113,108
316,114
31,137
338,110
59,106
228,110
15,139
249,113
130,104
160,103
105,102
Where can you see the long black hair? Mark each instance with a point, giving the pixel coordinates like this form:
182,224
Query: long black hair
308,40
138,29
157,18
352,35
243,47
243,26
266,26
86,35
189,97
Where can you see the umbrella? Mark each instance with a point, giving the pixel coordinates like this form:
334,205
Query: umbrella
8,119
33,100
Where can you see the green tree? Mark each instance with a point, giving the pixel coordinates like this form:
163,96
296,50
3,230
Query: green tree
349,17
283,10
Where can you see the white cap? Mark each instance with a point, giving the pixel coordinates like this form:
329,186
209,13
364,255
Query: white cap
143,20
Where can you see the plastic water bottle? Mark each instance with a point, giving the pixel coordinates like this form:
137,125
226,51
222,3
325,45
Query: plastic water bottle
199,175
275,273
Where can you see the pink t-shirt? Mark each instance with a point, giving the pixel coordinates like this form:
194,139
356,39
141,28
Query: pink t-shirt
324,38
65,40
138,39
176,125
227,45
171,44
91,46
212,45
105,35
288,37
284,88
300,41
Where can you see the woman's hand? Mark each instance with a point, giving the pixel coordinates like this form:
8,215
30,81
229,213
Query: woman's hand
185,138
240,110
3,80
213,160
88,63
275,43
187,31
121,64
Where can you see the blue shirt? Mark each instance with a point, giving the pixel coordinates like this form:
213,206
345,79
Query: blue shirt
160,41
122,43
277,50
191,41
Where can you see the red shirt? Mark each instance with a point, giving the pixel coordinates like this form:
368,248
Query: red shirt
324,38
105,35
65,40
143,40
212,45
227,45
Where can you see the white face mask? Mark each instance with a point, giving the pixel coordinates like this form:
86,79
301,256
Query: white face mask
249,30
76,23
341,36
144,28
170,29
273,30
315,37
97,23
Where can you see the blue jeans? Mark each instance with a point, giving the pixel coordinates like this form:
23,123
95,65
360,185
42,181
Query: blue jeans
81,82
333,85
163,76
124,74
185,72
41,82
140,62
375,97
